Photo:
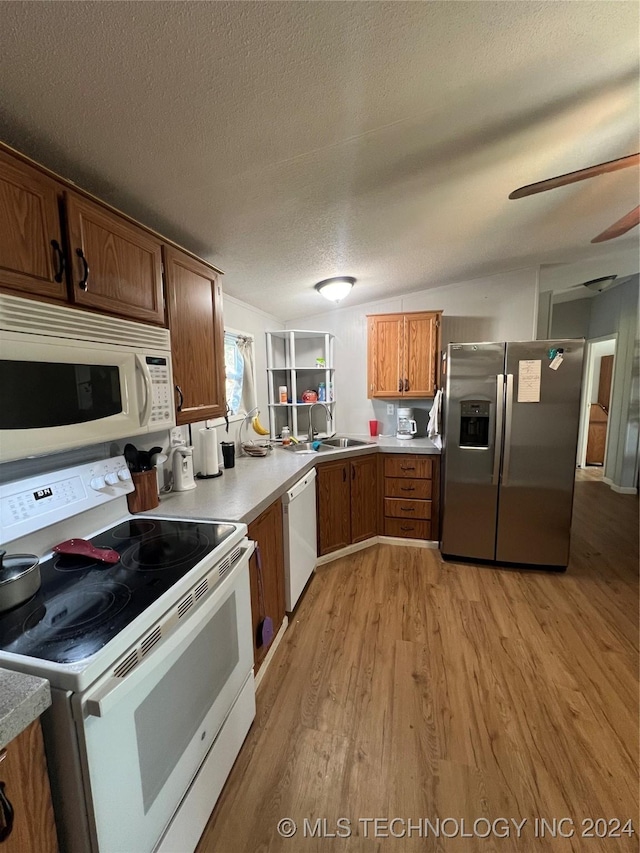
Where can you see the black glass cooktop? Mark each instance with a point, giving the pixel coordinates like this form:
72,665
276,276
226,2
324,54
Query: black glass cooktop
82,603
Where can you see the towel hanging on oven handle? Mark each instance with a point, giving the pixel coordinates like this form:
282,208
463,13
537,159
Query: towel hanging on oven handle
264,630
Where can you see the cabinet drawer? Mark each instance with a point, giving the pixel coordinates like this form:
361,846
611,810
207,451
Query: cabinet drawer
400,487
408,466
406,528
401,508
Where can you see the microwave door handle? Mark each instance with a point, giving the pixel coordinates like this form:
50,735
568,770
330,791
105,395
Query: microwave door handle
143,367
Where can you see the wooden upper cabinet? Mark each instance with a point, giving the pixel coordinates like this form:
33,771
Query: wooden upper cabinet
385,355
194,305
116,266
31,250
403,351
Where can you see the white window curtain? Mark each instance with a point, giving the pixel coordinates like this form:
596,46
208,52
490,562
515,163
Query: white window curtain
248,399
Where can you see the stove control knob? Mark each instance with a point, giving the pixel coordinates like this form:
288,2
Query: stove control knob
123,474
97,483
111,479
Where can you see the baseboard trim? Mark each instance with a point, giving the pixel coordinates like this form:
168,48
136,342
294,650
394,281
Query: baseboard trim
274,645
410,543
376,540
344,552
621,490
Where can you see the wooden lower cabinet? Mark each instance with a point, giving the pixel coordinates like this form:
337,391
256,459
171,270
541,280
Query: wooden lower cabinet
26,785
267,531
411,492
347,501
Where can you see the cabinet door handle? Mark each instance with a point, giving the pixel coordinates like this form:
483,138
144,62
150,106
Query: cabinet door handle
6,809
407,488
344,474
180,398
83,284
59,273
406,384
399,386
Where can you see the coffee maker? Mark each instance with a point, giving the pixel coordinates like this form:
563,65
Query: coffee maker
406,425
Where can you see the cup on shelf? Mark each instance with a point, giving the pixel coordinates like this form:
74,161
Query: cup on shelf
373,428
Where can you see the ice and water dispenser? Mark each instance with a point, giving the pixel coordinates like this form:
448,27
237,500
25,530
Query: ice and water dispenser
474,423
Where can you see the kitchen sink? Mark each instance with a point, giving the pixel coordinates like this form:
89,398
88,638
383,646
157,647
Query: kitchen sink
344,442
308,447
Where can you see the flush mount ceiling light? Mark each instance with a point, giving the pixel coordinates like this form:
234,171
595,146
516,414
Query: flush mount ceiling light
600,284
335,288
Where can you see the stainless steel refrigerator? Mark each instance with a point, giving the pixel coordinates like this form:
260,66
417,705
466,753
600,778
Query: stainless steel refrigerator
509,456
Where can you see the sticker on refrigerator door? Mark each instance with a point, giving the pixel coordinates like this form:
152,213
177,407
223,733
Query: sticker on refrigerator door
529,371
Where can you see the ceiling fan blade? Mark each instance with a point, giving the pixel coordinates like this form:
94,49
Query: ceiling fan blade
629,221
580,175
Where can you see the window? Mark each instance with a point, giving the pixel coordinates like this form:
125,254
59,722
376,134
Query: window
239,370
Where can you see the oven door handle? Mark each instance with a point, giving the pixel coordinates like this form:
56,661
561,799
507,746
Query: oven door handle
143,367
112,689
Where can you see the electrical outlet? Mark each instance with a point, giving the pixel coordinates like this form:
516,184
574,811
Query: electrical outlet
177,438
390,408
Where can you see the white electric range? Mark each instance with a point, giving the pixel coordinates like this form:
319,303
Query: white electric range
150,659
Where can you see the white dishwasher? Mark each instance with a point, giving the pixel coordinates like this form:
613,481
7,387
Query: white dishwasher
300,541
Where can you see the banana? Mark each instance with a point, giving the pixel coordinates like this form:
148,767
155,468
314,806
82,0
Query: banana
257,426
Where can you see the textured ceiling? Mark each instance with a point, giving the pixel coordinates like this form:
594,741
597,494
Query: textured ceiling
288,142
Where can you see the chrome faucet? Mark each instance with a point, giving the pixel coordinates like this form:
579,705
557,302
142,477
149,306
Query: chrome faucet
311,408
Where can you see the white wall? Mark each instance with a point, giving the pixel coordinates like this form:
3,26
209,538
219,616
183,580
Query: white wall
616,312
494,308
571,319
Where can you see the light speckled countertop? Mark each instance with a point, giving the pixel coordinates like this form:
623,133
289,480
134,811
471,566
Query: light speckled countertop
246,490
22,699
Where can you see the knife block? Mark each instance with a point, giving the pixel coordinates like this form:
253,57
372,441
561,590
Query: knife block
146,494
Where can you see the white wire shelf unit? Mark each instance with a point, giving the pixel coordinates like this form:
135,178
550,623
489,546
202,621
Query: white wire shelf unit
300,360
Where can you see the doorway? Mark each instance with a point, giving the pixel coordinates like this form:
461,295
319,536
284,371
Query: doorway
596,402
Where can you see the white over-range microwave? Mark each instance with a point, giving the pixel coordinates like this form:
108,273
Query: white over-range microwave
69,378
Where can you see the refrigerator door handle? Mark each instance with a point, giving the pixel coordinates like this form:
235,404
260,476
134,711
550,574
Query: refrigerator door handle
497,445
507,430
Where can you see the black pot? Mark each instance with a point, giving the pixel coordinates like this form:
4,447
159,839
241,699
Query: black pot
19,578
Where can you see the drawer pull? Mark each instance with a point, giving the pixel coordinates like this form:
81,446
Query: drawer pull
403,468
408,508
402,527
407,488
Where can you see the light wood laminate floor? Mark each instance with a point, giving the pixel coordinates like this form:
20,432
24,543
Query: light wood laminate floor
410,688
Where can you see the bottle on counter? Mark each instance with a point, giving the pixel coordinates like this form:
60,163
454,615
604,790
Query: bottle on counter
286,436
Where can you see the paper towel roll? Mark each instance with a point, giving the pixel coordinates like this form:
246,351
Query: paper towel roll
209,452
